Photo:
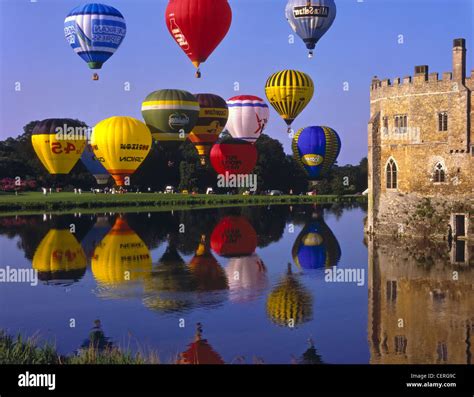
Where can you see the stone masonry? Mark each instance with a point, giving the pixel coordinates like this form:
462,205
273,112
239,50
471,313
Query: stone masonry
421,153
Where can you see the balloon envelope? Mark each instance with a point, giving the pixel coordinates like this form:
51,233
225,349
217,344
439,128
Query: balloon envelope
248,116
94,166
234,157
198,26
95,31
289,92
213,115
59,143
121,144
310,19
170,114
316,150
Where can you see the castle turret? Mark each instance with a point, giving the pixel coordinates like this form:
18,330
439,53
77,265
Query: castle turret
459,60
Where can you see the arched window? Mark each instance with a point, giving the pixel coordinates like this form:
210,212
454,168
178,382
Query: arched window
439,173
391,172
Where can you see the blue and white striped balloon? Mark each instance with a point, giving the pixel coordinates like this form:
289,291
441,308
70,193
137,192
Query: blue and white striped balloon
95,31
310,19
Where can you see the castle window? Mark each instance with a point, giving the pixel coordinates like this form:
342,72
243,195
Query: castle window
401,123
443,121
385,123
439,173
391,172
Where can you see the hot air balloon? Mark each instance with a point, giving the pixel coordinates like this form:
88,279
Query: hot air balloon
316,150
290,304
94,166
198,26
59,143
289,91
95,31
247,277
248,116
233,156
310,19
59,258
121,144
213,115
200,351
234,236
121,257
316,246
170,114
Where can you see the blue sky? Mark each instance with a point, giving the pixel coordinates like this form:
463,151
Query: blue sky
362,42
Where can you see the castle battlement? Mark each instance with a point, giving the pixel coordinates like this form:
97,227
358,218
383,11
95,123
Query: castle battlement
424,82
421,145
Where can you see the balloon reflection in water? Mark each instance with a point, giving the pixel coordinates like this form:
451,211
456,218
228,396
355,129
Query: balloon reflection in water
120,259
59,258
247,277
166,289
200,351
316,246
290,303
206,271
93,238
234,236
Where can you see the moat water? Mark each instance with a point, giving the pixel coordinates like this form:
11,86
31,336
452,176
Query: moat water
275,284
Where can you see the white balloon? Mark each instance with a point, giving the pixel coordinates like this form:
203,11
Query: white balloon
248,116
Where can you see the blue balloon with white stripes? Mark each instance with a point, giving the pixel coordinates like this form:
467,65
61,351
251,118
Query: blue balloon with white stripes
95,31
94,166
310,19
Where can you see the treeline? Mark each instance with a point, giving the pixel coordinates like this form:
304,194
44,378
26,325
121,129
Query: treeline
179,167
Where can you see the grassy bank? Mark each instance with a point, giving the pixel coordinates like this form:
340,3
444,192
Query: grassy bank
37,203
18,350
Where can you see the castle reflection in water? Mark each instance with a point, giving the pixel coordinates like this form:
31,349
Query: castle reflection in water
421,302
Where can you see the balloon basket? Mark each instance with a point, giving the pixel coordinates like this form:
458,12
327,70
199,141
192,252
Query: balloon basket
95,77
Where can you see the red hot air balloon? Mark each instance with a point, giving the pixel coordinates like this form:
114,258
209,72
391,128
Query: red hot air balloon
198,26
233,156
234,236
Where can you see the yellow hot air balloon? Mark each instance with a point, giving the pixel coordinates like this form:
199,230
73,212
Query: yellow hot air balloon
289,92
121,144
59,256
121,257
59,143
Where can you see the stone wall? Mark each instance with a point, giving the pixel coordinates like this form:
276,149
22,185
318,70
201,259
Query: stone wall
419,148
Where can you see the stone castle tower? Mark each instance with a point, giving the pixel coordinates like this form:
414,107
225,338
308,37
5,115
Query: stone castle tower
421,153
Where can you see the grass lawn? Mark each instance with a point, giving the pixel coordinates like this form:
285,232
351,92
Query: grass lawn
37,203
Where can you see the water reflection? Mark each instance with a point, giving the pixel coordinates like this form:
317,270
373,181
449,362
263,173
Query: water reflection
421,302
199,351
290,304
247,277
316,246
227,269
120,260
59,258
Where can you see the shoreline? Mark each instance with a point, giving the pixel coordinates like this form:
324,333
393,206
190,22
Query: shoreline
57,203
